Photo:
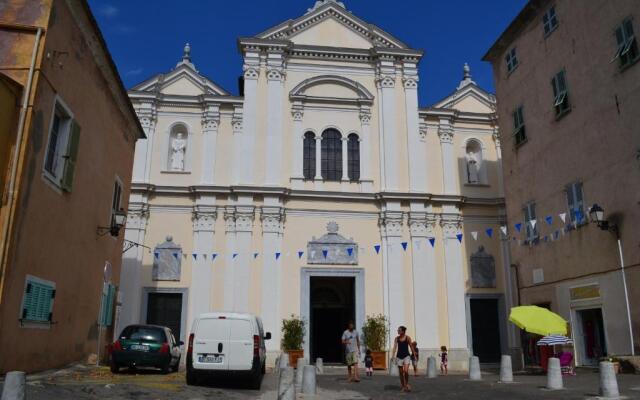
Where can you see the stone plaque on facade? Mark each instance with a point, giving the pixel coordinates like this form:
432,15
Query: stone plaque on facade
332,248
167,261
483,269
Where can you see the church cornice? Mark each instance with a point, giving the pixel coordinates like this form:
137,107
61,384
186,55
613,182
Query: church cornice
184,100
456,115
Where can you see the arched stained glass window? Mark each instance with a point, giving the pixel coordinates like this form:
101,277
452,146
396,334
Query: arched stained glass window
309,156
353,152
331,155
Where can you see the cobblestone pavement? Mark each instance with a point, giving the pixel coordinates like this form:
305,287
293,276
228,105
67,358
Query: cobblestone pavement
82,382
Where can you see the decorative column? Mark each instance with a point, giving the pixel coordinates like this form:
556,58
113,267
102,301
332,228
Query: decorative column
318,157
201,288
272,231
393,276
425,282
251,69
386,81
449,168
365,150
129,295
415,149
242,267
275,89
236,123
229,259
146,113
345,160
210,123
456,311
496,140
297,165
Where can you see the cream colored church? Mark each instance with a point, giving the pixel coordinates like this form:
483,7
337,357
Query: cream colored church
323,191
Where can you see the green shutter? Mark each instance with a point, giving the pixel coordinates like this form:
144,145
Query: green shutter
38,302
71,157
110,300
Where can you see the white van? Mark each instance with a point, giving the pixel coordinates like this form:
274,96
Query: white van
224,344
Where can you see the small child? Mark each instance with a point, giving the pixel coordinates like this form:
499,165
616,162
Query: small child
443,360
415,358
368,363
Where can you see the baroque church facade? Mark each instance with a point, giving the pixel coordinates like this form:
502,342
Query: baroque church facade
322,191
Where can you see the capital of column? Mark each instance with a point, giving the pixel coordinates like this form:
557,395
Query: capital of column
275,75
421,224
229,219
365,117
410,82
210,121
138,217
496,137
390,223
297,114
272,219
386,81
451,225
445,133
204,220
251,73
422,131
236,120
244,218
147,115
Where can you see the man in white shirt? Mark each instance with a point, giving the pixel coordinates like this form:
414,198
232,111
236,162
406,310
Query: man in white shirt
351,340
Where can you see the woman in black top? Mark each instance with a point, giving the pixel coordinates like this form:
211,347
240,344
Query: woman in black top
403,344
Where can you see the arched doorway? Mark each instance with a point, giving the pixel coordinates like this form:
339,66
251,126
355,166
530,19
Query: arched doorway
332,306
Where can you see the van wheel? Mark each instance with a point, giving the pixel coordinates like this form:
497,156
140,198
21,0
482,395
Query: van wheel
176,367
192,379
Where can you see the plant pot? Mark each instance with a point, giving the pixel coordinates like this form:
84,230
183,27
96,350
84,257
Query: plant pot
379,359
293,357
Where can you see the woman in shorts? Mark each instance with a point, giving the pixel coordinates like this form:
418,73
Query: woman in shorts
403,350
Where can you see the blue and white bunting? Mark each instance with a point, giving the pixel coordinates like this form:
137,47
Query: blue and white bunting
489,232
518,226
474,235
350,251
377,248
404,245
459,237
277,255
549,219
300,253
432,241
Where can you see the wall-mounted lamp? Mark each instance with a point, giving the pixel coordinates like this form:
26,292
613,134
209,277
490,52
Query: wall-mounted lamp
117,222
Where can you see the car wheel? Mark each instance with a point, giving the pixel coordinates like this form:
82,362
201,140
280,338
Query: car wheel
115,368
192,379
176,367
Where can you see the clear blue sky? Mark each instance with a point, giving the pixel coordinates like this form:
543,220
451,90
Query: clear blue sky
146,37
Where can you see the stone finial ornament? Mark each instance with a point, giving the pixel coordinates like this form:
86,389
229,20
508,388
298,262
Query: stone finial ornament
466,77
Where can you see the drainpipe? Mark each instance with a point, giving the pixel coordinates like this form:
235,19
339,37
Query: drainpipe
16,154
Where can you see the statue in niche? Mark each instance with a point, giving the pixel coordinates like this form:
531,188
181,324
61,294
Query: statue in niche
178,150
483,269
473,167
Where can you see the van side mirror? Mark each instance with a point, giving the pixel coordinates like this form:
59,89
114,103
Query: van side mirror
267,336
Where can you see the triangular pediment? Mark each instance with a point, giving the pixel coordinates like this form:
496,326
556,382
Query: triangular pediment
183,80
332,25
470,98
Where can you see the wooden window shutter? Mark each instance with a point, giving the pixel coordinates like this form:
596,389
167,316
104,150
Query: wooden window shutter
71,157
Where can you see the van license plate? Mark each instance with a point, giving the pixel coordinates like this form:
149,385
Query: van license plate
139,347
213,359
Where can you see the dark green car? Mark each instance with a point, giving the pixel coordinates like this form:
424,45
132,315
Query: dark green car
146,346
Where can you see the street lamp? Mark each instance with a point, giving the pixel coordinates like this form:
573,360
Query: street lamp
596,213
117,222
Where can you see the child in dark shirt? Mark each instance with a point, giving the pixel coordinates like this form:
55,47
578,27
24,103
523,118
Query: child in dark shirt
368,363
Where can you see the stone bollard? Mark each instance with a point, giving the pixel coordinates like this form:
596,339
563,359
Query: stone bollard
393,367
14,386
301,363
283,361
474,369
608,381
319,366
554,374
309,379
286,388
432,372
506,372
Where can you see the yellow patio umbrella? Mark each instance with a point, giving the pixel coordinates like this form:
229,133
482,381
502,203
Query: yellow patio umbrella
538,320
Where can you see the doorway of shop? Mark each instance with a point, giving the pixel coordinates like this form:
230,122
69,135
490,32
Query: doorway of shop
165,309
332,301
485,329
590,336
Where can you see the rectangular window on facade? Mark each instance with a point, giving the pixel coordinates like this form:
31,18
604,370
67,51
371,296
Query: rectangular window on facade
62,147
575,203
627,45
560,94
549,20
531,230
512,60
37,300
518,126
116,202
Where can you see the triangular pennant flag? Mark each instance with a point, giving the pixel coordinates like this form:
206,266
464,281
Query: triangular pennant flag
474,235
195,256
300,253
432,241
579,215
176,255
518,226
377,248
325,252
350,251
563,217
459,236
404,245
504,230
533,223
549,219
213,256
234,255
255,255
489,232
277,255
156,254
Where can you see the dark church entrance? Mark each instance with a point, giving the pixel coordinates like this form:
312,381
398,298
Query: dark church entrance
485,329
165,309
332,307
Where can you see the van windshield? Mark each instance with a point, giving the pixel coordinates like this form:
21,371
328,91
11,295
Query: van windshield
144,334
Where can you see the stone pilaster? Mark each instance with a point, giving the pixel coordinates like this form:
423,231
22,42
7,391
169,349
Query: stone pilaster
272,219
297,114
210,123
238,127
251,70
275,92
386,82
415,150
449,164
147,115
365,150
244,217
201,288
229,260
391,226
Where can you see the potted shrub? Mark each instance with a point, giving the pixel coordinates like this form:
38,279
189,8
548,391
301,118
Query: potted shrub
293,330
616,363
375,331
